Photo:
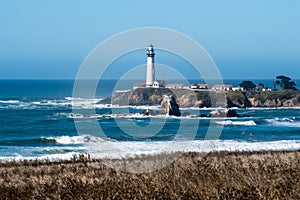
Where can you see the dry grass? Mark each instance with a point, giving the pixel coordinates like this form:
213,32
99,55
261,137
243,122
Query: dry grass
223,175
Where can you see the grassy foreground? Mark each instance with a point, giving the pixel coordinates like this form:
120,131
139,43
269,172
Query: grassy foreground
223,175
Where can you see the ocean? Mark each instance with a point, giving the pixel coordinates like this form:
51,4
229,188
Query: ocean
39,119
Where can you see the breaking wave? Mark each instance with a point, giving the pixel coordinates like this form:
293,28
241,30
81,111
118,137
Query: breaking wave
284,122
106,148
53,141
236,123
58,156
81,139
131,149
9,101
50,103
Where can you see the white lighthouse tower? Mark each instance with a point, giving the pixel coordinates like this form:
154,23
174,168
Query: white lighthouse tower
150,73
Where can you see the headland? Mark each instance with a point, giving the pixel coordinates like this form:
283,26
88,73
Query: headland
200,95
200,99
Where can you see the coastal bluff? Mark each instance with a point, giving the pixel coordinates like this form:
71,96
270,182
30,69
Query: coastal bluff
264,99
200,99
138,97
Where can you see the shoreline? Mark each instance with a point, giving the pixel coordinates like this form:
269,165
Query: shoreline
132,150
158,107
259,175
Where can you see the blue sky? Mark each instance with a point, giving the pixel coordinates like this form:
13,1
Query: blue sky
246,39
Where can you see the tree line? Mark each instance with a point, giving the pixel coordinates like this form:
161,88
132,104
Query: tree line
284,82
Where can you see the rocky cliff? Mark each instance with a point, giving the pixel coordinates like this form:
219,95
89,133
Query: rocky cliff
189,98
276,99
267,99
139,96
170,105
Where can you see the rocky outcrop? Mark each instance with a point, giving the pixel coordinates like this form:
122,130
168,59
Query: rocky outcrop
170,106
222,113
201,99
268,99
238,99
190,98
149,112
137,97
147,96
277,99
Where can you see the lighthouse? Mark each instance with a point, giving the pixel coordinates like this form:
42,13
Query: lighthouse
150,72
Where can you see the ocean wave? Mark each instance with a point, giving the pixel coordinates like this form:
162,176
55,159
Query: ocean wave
81,139
51,157
208,108
125,149
274,108
236,123
136,116
53,151
27,142
53,141
70,115
9,101
287,122
81,103
139,115
238,146
131,149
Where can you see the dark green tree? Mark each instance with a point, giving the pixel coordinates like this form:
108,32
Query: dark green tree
247,85
260,86
286,83
275,83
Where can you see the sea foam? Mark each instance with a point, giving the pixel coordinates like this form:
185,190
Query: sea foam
236,123
129,149
283,122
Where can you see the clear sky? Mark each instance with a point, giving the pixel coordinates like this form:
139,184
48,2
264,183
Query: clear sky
246,39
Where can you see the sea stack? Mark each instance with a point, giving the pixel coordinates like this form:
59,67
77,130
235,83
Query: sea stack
170,105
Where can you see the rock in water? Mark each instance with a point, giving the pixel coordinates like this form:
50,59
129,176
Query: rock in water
223,113
170,105
231,113
149,112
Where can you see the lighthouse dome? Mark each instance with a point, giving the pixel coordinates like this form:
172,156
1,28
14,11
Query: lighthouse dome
150,47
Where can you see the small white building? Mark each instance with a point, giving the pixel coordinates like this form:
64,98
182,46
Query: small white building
238,89
199,86
175,86
266,89
222,87
203,86
194,86
155,84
